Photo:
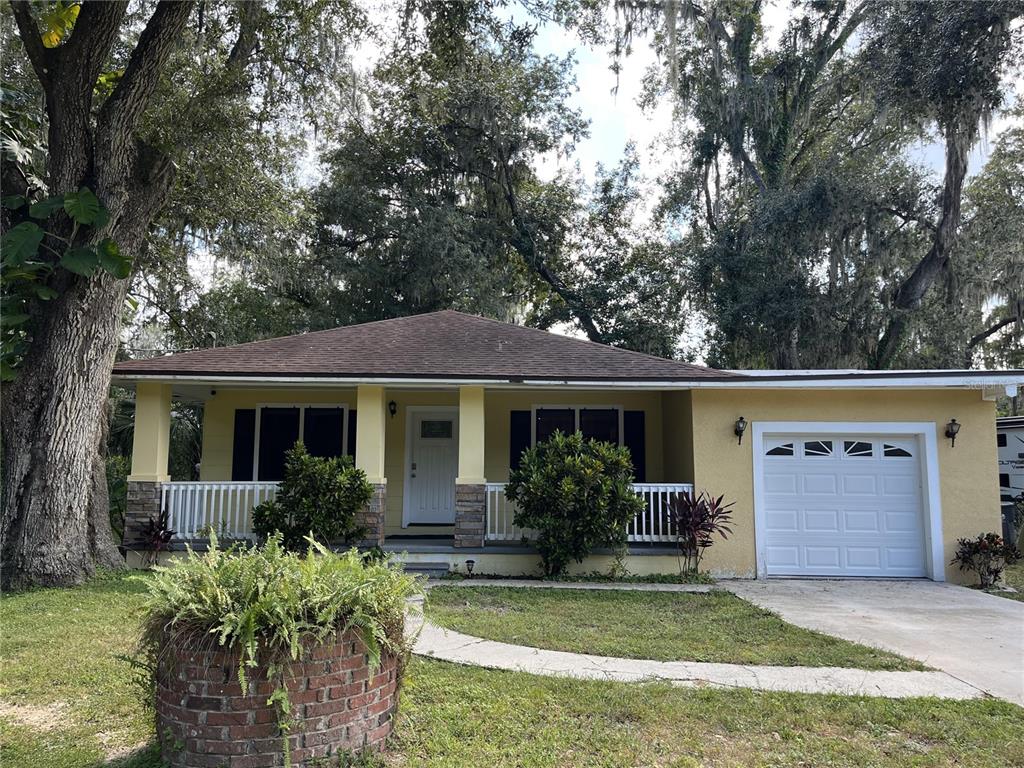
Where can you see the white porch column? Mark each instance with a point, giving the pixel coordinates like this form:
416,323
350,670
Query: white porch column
470,496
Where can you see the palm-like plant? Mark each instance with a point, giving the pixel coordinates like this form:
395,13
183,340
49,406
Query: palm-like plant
698,519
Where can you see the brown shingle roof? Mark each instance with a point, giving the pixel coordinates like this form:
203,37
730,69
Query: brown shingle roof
446,344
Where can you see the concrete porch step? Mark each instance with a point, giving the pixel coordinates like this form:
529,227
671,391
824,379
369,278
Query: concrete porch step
430,570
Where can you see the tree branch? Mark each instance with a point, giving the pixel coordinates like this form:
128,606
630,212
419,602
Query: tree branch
245,44
28,31
977,338
122,112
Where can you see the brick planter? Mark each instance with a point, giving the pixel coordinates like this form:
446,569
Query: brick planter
338,705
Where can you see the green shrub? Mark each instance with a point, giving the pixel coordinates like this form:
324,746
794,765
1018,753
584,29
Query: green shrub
698,518
318,497
987,555
577,494
268,603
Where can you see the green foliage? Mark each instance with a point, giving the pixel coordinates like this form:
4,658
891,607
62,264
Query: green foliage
698,518
58,21
32,254
801,209
987,555
269,605
319,497
577,494
118,468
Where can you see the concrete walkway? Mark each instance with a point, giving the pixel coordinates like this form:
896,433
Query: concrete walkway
975,637
602,585
439,643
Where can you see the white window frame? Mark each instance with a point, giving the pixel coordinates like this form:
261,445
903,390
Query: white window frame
302,427
926,433
576,416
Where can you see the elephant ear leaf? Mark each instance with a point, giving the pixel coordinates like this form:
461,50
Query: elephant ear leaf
44,208
82,261
82,206
113,261
21,242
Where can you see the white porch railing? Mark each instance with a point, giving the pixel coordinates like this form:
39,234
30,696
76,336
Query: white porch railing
500,513
195,507
653,525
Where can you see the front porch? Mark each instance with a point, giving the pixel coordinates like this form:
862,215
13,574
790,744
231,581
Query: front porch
438,458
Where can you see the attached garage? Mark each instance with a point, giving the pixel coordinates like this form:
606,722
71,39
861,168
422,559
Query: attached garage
843,502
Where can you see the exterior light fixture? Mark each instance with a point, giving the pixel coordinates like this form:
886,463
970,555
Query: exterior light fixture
739,429
952,428
469,566
392,408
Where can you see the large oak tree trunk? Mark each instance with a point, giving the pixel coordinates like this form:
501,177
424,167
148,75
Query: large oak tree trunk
54,528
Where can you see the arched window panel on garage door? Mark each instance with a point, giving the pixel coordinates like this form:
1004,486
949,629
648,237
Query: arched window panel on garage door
858,448
818,448
778,447
899,449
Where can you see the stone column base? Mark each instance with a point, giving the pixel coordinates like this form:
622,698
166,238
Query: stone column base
470,515
372,517
143,504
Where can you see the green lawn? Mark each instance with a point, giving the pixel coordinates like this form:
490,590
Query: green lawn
666,626
65,700
1014,577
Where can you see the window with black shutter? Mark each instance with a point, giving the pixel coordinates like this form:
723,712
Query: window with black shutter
634,438
323,431
518,436
243,444
551,420
278,433
600,424
352,434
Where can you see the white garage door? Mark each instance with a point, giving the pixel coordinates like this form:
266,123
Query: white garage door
842,505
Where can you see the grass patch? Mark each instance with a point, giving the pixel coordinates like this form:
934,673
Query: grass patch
67,702
456,716
59,663
1013,576
666,626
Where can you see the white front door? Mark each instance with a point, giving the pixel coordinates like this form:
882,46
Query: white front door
843,505
432,468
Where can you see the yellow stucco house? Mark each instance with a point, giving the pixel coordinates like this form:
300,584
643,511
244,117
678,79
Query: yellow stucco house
833,473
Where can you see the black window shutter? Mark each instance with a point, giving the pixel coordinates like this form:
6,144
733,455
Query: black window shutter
352,434
518,436
242,447
633,438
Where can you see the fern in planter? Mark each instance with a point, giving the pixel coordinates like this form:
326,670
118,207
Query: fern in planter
319,497
269,604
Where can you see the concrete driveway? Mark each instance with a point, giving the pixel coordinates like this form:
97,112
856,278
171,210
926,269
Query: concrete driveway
975,637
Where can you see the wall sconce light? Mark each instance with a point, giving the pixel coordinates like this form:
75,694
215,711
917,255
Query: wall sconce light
469,567
739,429
392,408
952,428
